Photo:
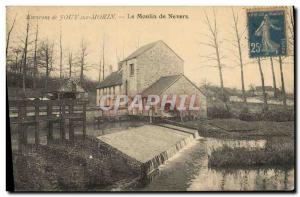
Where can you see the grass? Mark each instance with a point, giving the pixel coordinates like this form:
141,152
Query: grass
277,153
68,168
250,112
237,129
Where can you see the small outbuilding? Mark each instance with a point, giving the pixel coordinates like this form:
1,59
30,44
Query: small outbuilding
70,89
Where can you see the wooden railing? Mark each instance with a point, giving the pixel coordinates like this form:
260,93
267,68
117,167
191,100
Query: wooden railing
32,113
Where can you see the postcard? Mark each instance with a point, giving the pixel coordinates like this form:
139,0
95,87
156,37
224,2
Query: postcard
150,99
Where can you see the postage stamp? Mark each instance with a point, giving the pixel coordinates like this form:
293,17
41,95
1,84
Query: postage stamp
267,33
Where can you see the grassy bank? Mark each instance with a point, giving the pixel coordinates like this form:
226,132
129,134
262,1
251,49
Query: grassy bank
277,153
238,129
69,168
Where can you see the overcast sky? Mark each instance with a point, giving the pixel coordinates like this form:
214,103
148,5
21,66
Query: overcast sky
122,36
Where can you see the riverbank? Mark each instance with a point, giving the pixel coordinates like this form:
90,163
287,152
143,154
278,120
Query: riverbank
238,129
189,171
81,167
277,153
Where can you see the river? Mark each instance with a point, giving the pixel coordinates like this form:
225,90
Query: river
189,171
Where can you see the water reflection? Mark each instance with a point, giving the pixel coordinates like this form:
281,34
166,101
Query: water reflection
189,171
244,180
212,144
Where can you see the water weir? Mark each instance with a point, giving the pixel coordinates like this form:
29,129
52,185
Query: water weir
150,145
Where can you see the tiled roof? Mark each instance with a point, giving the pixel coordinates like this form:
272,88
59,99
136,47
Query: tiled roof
160,85
141,50
113,79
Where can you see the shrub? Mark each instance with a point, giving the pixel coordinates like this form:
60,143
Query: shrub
278,115
246,116
218,112
279,154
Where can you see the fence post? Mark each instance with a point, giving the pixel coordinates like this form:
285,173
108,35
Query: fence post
36,131
21,127
62,121
71,128
50,123
84,120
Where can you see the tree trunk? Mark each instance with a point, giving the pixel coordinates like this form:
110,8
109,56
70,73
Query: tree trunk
242,79
47,68
35,57
82,61
274,78
25,60
60,58
70,65
282,82
100,64
8,37
81,72
214,32
242,69
103,59
16,64
240,57
263,86
221,75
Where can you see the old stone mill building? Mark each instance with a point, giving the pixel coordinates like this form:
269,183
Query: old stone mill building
153,69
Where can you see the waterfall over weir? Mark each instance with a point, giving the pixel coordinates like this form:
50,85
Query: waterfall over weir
150,145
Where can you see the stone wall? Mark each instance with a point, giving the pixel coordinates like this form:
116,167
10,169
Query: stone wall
184,87
155,63
158,61
131,79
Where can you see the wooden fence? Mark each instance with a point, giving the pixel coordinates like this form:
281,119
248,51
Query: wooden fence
32,113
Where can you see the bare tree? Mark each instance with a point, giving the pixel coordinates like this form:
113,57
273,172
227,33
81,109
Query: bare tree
83,55
46,59
35,70
274,77
238,41
24,57
60,55
103,56
265,107
17,68
100,65
291,40
282,82
8,36
70,60
213,42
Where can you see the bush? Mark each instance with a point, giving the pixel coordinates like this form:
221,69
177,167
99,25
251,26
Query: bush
280,154
246,116
277,115
218,112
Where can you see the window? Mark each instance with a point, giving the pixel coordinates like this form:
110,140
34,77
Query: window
131,69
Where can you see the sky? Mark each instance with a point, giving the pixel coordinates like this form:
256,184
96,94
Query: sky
123,34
